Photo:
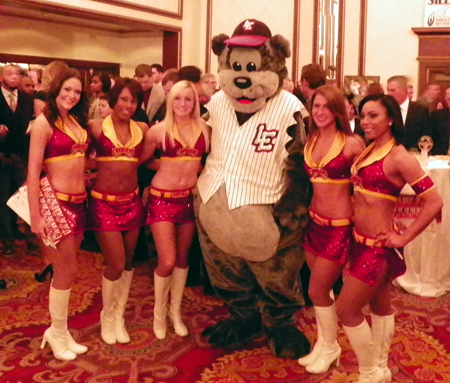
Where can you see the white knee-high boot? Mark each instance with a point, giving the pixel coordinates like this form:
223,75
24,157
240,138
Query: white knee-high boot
330,351
179,277
107,316
382,335
360,338
123,290
311,357
162,287
56,334
70,342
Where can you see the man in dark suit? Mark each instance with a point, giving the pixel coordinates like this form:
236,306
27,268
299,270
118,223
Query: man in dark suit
440,125
16,111
415,116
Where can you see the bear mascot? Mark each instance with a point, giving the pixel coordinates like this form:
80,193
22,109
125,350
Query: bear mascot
252,196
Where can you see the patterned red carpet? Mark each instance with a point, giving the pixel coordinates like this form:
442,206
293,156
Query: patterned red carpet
420,351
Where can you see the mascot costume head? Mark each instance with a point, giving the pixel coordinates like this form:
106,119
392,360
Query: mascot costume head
252,64
253,193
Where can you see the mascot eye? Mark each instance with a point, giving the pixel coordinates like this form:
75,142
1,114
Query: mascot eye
251,67
237,67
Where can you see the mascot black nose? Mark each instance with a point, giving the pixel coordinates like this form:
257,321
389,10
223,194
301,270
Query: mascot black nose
242,82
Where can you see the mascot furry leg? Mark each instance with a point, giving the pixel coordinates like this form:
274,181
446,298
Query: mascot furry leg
262,297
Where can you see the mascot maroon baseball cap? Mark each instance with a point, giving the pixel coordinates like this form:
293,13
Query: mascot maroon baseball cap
250,33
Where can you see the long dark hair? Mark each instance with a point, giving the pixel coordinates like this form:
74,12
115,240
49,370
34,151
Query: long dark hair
79,111
105,80
393,112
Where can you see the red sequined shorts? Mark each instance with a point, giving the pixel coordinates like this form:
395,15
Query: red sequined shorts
328,238
175,206
366,261
74,208
115,212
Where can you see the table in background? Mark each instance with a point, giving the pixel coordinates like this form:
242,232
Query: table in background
428,256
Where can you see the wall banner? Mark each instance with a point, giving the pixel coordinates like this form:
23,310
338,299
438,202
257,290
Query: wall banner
437,14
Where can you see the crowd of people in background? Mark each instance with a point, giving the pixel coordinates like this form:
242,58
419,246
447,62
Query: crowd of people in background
130,132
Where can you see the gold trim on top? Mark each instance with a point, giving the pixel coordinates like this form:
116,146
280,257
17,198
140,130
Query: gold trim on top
361,190
109,131
371,155
334,151
64,157
82,134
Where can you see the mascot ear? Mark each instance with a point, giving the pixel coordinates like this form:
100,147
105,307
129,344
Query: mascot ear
218,44
281,46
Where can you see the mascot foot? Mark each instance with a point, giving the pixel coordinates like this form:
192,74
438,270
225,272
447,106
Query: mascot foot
232,333
287,342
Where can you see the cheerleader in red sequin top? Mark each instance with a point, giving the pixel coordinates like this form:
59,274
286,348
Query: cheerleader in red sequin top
182,138
115,210
59,141
378,176
329,153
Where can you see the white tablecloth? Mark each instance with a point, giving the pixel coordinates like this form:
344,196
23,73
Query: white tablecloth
428,256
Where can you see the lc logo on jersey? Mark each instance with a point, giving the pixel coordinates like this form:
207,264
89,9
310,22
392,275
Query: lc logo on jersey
265,139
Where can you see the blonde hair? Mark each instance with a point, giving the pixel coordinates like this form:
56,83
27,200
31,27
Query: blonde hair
169,123
51,71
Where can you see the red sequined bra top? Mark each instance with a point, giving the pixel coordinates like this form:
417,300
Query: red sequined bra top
368,176
333,168
180,152
64,144
109,148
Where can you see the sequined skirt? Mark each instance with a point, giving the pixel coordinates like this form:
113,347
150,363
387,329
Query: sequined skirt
324,240
75,213
170,206
115,212
366,262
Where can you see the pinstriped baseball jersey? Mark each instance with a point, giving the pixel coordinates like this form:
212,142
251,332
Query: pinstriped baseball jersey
249,158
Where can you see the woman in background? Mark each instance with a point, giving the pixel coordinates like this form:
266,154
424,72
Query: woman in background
36,75
100,85
379,175
329,153
115,209
59,141
182,138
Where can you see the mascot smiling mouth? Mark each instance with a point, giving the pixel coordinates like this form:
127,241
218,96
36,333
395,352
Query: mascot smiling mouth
245,100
